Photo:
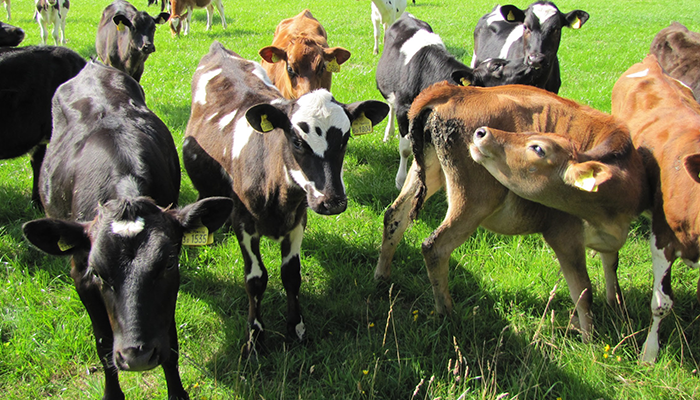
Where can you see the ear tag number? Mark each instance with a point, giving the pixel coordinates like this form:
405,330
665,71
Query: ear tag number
576,24
465,82
198,237
265,125
361,125
333,66
510,16
120,26
587,182
63,245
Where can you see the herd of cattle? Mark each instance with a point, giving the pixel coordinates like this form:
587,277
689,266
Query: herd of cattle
266,141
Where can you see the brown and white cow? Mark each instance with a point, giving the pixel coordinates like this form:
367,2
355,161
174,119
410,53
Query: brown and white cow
443,120
52,12
275,158
678,52
181,14
664,120
299,59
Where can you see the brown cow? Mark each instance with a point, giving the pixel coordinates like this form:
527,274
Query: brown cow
678,52
181,14
299,59
664,120
443,119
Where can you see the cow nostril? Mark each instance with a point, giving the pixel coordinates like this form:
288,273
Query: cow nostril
480,133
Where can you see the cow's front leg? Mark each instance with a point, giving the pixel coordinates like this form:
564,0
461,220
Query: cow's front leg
291,279
36,158
613,293
661,300
170,368
255,284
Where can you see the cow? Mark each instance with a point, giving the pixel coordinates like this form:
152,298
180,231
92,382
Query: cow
299,59
109,186
164,4
664,120
678,51
443,119
8,8
530,36
414,57
29,76
275,158
125,37
54,13
10,35
385,13
181,14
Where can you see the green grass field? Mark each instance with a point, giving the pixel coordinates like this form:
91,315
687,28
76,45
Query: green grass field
509,336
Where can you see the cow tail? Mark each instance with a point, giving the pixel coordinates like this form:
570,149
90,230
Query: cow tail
418,137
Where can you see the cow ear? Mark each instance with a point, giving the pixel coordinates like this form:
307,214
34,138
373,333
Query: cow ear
463,77
373,110
273,54
339,54
266,117
587,175
575,19
57,237
512,13
161,18
120,20
692,166
211,212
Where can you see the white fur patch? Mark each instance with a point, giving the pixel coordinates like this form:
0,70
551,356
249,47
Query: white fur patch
300,329
259,71
128,228
543,12
495,16
255,269
304,183
319,111
243,132
226,119
420,39
295,237
513,37
640,74
200,95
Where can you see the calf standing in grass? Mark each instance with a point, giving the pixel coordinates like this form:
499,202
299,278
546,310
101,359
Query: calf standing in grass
125,37
181,14
108,184
385,13
52,12
275,158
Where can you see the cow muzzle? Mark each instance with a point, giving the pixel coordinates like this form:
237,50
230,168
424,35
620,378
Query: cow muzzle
535,60
137,358
148,48
479,146
330,205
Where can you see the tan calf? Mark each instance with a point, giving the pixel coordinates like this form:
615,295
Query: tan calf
181,14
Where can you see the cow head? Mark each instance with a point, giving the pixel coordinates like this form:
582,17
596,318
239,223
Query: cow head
308,64
496,72
317,129
142,29
128,256
542,22
10,35
536,166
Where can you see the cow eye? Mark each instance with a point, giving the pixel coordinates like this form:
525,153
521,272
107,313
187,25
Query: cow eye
296,142
291,72
538,150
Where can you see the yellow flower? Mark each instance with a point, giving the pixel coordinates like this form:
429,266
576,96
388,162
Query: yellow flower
415,317
607,348
365,371
619,358
371,324
415,312
605,355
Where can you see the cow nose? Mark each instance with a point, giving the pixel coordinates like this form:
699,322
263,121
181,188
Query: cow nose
481,134
535,60
335,205
139,358
148,48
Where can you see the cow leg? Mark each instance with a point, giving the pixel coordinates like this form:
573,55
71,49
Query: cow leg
389,131
7,9
210,13
63,26
613,293
405,151
661,300
220,8
36,158
56,31
376,21
396,217
170,368
255,283
187,21
44,29
291,279
566,239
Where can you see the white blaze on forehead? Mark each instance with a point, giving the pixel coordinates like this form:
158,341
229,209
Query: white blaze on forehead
128,228
420,39
495,16
300,179
200,94
259,71
226,119
242,133
640,74
543,12
320,113
513,37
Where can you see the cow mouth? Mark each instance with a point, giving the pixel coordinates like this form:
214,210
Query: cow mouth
478,154
136,359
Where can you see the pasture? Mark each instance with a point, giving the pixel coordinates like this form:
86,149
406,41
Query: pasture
510,334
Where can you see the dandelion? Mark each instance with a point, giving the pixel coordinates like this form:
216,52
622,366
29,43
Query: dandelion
371,324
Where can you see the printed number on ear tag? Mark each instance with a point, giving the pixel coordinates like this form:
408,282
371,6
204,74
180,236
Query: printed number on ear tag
265,125
333,66
63,245
361,125
198,237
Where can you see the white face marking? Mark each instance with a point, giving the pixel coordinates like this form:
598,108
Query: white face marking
495,16
259,71
255,270
128,228
212,116
200,95
513,37
226,119
320,113
543,12
243,133
419,40
304,183
640,74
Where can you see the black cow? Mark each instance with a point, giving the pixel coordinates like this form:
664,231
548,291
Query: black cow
110,178
414,57
274,157
29,77
10,35
678,52
530,36
125,37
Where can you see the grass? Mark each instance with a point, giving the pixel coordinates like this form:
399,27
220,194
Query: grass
509,336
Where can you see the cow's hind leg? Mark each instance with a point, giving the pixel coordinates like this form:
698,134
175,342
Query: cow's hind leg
170,368
220,7
661,300
291,279
255,282
613,293
210,14
36,158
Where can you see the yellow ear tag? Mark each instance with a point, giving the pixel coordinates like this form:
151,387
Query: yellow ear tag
576,24
63,245
120,26
333,66
275,58
361,125
198,237
510,16
465,82
587,182
265,125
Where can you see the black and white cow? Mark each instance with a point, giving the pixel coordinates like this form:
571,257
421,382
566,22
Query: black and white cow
125,37
414,57
29,77
10,35
52,12
108,183
530,36
275,158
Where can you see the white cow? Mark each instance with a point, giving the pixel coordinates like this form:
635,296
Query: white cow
385,12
